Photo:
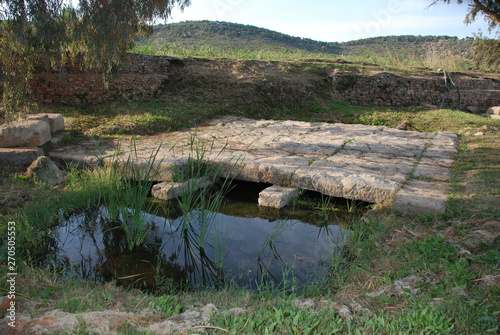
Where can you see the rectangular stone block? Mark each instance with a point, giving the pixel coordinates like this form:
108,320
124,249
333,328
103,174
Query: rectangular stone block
277,197
421,197
55,120
169,191
19,156
24,133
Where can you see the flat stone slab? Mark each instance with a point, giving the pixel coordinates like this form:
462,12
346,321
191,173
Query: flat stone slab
367,163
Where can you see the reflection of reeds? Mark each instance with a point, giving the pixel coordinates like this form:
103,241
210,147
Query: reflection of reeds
198,208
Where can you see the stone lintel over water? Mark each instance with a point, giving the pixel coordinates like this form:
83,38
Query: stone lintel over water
406,170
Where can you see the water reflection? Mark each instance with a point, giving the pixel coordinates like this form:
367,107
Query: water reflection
197,252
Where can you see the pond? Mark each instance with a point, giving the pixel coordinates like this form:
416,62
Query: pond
241,244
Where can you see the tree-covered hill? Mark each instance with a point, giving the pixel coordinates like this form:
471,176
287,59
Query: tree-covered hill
233,36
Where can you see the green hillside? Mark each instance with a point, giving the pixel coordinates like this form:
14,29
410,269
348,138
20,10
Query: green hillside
231,37
225,35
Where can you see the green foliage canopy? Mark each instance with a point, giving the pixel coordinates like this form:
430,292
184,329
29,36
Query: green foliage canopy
486,50
49,32
489,8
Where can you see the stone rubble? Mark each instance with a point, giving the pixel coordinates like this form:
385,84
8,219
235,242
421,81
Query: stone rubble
407,170
107,321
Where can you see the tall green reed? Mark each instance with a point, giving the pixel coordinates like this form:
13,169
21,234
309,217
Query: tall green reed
198,204
124,186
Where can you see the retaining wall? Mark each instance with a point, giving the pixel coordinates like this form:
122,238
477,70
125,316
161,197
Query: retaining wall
145,76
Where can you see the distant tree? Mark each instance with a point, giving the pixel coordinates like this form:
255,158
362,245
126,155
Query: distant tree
47,32
486,50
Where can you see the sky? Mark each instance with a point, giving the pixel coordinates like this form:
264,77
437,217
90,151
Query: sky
339,20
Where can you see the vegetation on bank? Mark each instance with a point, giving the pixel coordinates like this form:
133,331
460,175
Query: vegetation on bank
457,284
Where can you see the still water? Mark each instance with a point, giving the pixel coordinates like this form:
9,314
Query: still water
252,248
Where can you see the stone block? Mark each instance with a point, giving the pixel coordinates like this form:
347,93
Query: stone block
55,120
19,156
495,110
169,190
277,197
24,133
421,197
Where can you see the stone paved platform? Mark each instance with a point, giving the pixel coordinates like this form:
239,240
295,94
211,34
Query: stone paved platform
403,169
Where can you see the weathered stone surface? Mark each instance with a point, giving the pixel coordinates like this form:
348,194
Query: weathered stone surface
106,322
421,197
169,191
55,120
19,156
368,163
495,110
277,197
46,170
184,322
24,133
482,236
142,169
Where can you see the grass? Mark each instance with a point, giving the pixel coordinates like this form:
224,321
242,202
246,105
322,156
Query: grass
457,292
386,60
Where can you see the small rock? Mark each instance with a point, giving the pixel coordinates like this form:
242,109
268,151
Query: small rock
483,236
44,169
479,133
399,287
472,109
427,105
343,311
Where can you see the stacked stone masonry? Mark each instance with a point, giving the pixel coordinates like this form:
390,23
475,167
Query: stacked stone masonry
144,76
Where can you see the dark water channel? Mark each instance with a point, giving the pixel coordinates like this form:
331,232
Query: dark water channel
243,244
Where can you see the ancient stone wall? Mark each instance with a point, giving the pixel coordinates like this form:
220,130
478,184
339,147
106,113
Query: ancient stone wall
387,89
140,77
145,76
